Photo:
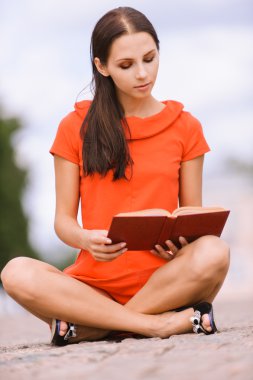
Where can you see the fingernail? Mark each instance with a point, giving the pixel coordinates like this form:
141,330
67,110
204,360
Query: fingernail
123,245
108,241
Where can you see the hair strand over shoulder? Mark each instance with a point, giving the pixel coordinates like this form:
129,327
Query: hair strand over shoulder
103,130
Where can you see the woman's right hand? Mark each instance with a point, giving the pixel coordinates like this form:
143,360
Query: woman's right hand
66,225
100,246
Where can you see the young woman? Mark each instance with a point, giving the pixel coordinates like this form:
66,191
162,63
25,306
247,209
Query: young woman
124,151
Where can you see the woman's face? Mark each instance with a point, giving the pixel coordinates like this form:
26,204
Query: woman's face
133,65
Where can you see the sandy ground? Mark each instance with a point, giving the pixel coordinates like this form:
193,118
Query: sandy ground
25,352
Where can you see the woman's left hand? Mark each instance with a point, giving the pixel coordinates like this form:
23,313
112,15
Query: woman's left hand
172,250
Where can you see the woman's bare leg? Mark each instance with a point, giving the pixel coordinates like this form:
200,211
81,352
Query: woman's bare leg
49,293
196,274
199,269
175,285
83,332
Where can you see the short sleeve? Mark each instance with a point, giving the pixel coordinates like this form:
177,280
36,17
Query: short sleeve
194,142
67,140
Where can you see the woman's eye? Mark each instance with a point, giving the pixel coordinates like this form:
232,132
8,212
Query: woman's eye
124,67
127,65
148,59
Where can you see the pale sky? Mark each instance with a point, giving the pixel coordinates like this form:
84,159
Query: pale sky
206,63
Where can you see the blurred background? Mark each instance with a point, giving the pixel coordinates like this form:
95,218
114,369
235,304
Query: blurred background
206,63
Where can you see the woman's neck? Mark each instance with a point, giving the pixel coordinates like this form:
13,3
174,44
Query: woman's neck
142,107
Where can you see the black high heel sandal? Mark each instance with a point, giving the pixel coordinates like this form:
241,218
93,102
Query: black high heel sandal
199,310
61,340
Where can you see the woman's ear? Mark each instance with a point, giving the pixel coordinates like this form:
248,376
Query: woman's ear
100,67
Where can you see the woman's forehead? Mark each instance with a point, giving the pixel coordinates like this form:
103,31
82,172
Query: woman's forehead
132,45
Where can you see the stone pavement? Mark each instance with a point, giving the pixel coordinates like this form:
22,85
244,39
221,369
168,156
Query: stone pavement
25,352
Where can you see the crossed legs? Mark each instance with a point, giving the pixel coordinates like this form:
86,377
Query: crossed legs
196,274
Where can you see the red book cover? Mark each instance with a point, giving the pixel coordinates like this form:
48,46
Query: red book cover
143,231
193,226
139,232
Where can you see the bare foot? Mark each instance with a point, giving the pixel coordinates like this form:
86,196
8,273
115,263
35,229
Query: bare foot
174,323
206,323
165,325
63,328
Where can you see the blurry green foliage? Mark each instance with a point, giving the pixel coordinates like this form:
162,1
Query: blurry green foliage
13,222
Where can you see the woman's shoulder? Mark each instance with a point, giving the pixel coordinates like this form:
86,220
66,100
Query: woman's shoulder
74,118
68,141
175,105
177,108
188,120
81,108
79,112
180,115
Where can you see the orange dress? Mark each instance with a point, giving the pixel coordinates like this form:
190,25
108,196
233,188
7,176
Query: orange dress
158,144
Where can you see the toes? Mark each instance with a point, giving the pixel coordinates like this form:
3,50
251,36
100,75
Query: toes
206,322
63,328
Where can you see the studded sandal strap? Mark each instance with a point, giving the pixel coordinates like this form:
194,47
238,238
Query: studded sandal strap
71,333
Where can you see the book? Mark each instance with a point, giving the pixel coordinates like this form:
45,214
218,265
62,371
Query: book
143,229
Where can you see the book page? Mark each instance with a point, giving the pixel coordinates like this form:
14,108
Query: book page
147,212
196,210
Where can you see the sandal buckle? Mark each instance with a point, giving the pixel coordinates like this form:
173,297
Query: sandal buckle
71,333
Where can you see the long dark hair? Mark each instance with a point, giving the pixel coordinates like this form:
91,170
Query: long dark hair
104,143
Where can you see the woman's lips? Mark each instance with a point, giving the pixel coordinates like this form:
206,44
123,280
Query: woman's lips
143,86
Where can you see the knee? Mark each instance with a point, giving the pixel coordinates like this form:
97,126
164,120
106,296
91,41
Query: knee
212,255
15,275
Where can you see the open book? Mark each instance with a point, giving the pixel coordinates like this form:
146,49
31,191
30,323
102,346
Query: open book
143,229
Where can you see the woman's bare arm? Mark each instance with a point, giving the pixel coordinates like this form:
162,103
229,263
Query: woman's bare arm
67,201
190,194
66,224
190,183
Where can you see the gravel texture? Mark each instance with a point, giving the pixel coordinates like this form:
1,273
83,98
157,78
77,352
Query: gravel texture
25,351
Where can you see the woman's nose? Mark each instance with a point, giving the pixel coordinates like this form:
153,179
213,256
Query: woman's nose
141,72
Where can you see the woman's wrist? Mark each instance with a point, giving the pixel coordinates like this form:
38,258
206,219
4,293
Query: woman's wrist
71,233
82,238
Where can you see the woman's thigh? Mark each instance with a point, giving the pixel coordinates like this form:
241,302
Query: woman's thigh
21,276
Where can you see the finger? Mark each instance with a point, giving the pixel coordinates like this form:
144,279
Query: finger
164,254
154,252
172,247
183,241
104,232
108,256
109,249
100,239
